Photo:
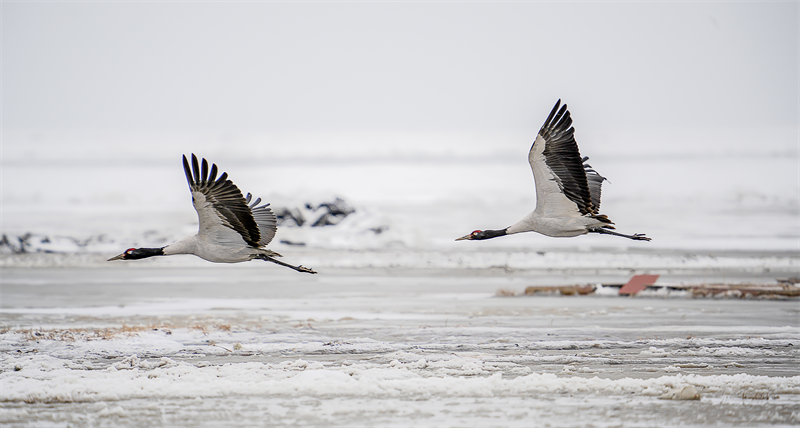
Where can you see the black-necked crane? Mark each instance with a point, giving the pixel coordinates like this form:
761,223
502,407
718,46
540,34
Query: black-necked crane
232,229
567,188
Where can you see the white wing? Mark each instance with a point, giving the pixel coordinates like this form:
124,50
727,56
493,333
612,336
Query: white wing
562,189
214,227
550,200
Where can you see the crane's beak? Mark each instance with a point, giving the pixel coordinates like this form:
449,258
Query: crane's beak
119,257
464,237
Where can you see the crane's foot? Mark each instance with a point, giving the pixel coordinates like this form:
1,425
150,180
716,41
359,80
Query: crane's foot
278,262
635,236
302,268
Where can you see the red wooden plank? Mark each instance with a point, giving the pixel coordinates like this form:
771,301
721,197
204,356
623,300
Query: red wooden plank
638,283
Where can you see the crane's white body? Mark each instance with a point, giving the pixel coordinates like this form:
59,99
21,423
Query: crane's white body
557,227
214,251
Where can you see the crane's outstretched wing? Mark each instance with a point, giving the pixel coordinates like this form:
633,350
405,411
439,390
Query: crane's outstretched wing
223,213
265,218
562,188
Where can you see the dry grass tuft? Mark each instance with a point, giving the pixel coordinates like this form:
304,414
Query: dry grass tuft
755,396
202,328
87,334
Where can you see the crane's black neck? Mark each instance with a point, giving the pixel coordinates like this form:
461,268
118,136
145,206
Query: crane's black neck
489,234
143,253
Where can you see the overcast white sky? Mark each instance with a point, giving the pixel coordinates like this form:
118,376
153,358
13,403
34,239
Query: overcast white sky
422,66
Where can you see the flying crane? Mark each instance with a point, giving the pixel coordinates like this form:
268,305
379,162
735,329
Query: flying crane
567,188
232,229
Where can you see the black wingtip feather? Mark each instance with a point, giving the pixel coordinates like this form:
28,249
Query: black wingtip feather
563,120
204,172
552,113
213,175
187,171
195,169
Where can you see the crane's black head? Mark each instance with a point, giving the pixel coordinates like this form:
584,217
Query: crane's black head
483,234
138,253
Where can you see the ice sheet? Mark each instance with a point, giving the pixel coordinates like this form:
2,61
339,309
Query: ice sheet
160,344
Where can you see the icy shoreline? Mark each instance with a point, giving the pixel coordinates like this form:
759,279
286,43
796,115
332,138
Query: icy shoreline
658,260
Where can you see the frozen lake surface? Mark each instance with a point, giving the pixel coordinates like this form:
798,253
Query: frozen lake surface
194,344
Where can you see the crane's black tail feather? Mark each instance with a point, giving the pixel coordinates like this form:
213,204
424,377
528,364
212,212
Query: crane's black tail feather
635,236
297,268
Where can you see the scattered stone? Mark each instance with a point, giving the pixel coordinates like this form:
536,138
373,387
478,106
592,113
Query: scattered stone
325,214
333,213
685,393
290,217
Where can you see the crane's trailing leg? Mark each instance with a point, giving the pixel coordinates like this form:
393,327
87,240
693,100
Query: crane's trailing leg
635,236
297,268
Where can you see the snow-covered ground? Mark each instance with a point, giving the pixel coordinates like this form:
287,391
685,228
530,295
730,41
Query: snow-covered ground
402,326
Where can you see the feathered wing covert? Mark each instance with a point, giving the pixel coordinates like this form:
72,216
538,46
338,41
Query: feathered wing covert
223,213
565,183
265,219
